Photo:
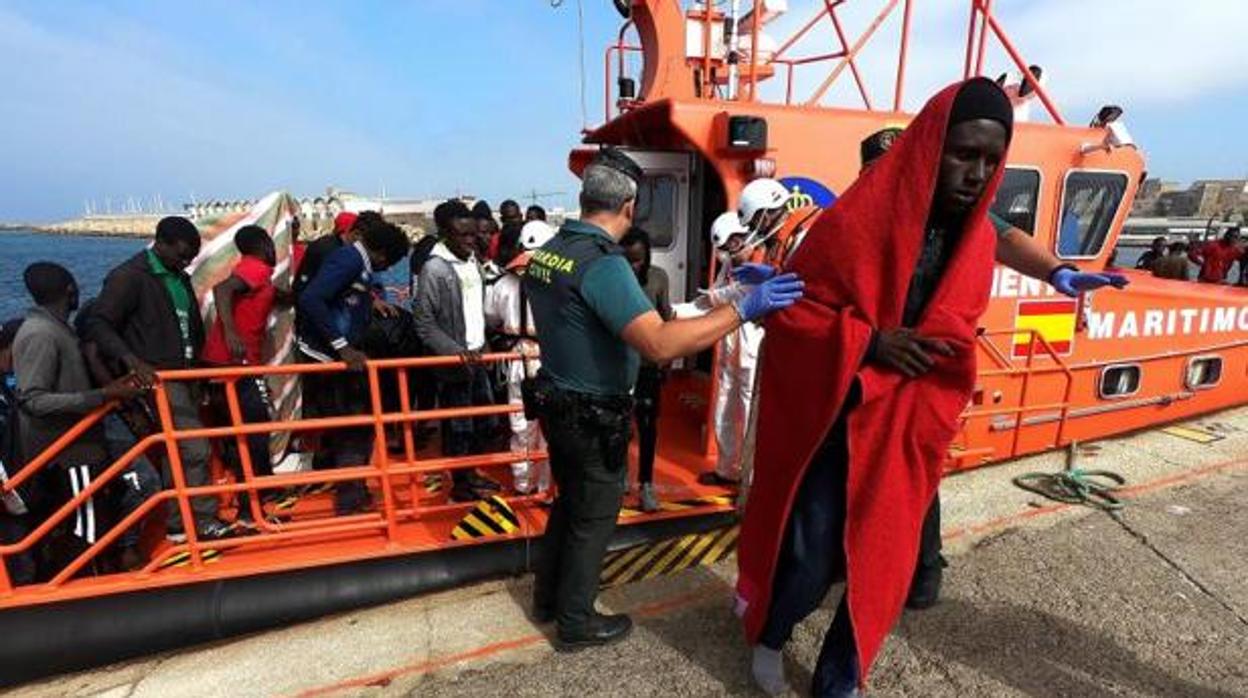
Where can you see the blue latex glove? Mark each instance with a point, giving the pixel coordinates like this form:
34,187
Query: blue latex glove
1073,282
752,274
773,294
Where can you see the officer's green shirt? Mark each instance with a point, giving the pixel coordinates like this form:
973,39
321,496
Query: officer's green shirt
999,224
583,294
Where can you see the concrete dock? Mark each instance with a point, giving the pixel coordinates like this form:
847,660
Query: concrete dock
1040,600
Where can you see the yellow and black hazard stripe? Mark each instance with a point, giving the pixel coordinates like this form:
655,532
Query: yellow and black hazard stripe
668,556
490,517
683,505
183,558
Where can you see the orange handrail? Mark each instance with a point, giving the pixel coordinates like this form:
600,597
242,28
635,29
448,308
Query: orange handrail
381,468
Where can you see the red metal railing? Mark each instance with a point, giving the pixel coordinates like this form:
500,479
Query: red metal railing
1007,368
983,24
382,468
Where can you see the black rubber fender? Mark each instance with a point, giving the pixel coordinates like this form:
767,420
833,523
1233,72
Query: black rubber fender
46,639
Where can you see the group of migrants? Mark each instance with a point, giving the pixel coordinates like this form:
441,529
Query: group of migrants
876,298
1213,259
61,362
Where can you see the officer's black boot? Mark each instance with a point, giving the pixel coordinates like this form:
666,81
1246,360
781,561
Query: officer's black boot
600,629
925,587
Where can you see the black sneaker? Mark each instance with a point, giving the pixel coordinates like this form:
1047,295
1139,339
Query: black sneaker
481,483
542,614
925,587
215,530
461,493
602,629
714,479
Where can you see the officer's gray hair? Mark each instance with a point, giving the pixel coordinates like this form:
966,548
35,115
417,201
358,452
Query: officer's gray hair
605,189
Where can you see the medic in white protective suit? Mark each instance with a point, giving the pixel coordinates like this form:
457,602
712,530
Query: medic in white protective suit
507,311
738,351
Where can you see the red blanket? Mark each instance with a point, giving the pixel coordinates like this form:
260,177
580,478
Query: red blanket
857,262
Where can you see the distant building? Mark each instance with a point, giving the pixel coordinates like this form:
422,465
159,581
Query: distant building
1205,198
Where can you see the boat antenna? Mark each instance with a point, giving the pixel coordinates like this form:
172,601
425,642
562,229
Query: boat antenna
580,37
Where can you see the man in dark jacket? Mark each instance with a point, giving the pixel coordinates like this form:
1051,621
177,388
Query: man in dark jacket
335,310
147,317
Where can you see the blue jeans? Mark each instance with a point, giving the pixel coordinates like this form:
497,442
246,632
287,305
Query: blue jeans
812,559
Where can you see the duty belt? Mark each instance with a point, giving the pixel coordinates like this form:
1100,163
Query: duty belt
613,403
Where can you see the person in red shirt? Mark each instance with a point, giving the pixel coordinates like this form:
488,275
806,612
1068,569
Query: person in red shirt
244,302
1216,257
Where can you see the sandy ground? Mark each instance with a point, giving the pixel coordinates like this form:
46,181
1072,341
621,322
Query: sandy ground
1041,600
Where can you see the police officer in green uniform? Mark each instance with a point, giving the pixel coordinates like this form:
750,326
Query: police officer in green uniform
593,320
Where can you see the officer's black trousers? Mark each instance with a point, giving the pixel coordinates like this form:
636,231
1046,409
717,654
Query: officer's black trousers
929,540
588,450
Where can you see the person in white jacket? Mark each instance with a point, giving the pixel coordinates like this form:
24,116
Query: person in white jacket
507,312
738,351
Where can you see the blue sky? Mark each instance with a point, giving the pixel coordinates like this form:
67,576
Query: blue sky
232,99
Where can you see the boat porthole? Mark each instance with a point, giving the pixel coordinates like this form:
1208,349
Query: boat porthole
1118,381
1203,372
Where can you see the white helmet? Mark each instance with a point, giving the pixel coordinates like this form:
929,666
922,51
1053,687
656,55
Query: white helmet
761,195
534,234
725,226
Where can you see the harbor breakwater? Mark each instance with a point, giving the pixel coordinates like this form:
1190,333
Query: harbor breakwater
137,225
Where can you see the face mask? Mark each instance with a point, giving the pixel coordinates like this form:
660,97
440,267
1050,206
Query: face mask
760,237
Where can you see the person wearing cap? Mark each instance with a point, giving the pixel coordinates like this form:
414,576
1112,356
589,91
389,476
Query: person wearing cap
320,248
1020,251
335,311
54,393
854,443
593,321
508,313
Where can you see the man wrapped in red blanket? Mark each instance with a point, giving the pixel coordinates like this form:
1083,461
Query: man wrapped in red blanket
849,449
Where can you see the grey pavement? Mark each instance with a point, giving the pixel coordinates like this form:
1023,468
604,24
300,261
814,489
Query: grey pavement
1039,601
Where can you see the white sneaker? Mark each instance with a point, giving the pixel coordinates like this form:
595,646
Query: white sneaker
767,668
649,501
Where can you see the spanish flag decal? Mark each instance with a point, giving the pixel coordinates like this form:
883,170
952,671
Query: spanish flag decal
1052,319
490,517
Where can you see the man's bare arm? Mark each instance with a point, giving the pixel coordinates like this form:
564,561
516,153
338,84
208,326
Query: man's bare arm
661,342
1024,254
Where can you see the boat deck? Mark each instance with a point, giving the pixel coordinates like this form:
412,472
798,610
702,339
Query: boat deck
308,534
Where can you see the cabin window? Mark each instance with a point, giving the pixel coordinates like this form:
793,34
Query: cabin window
656,208
1089,204
1120,381
1204,372
1017,197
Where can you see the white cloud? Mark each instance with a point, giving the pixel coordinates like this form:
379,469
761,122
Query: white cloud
83,107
